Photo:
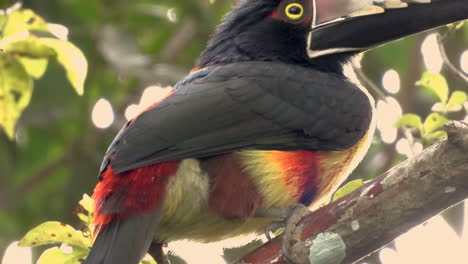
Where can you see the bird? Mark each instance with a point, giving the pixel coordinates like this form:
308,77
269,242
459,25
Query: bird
266,120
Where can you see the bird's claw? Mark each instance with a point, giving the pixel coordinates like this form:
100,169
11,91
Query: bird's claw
294,249
272,228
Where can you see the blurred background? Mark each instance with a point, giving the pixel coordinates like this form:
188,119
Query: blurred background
136,50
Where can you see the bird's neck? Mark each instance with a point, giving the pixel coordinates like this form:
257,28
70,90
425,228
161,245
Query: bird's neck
269,40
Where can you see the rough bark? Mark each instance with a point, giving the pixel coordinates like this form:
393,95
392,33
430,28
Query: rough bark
374,215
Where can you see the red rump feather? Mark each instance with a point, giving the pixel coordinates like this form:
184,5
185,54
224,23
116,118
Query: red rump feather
137,191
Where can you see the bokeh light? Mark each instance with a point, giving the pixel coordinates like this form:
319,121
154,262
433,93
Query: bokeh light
404,147
103,114
150,95
391,81
431,54
434,242
387,114
59,31
464,61
17,255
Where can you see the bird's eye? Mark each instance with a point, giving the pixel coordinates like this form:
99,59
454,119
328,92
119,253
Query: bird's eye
294,11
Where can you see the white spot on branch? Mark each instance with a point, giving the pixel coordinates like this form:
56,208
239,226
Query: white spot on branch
327,248
450,189
355,225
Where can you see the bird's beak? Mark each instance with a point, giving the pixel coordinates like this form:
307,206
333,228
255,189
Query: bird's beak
357,25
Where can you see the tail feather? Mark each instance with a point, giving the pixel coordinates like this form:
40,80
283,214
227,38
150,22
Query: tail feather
124,241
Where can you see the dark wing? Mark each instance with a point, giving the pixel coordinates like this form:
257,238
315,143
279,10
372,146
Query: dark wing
250,105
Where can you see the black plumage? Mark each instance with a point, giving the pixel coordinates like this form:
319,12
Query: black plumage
249,105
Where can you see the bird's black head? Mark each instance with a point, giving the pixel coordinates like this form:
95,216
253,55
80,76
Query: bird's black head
263,30
322,34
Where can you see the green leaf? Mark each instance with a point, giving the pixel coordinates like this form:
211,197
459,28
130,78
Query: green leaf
433,122
234,254
148,259
72,59
22,21
410,120
457,99
435,136
30,47
55,232
33,21
15,25
34,67
348,188
87,203
15,92
56,256
437,83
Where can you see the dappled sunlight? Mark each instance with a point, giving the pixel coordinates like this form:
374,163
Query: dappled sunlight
434,242
150,95
388,112
431,54
464,61
199,253
59,31
103,114
391,81
17,255
404,147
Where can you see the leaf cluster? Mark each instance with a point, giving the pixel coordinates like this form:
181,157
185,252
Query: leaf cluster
26,46
74,245
429,130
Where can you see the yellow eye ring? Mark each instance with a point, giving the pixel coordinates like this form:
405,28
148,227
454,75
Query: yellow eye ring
294,11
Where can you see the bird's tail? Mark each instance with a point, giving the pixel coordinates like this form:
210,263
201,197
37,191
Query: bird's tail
124,241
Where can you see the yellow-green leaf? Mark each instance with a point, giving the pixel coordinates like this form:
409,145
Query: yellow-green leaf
72,59
55,232
15,92
148,260
33,21
457,99
34,67
410,120
433,122
15,24
56,256
434,136
348,188
87,203
30,47
437,83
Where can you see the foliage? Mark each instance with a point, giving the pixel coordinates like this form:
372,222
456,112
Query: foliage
75,243
26,44
429,130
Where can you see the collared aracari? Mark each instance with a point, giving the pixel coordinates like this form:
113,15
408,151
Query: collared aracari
266,120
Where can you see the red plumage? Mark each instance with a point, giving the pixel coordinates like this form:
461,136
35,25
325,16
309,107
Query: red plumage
137,191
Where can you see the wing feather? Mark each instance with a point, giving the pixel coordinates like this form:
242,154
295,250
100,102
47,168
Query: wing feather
249,105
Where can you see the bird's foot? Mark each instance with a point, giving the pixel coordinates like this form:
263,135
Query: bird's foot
157,253
272,228
293,247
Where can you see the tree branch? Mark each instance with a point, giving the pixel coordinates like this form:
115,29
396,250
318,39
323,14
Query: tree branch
374,215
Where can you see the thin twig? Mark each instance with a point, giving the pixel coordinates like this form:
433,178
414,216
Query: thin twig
447,62
369,83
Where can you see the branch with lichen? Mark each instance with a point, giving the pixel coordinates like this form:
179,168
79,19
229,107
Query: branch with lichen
375,214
